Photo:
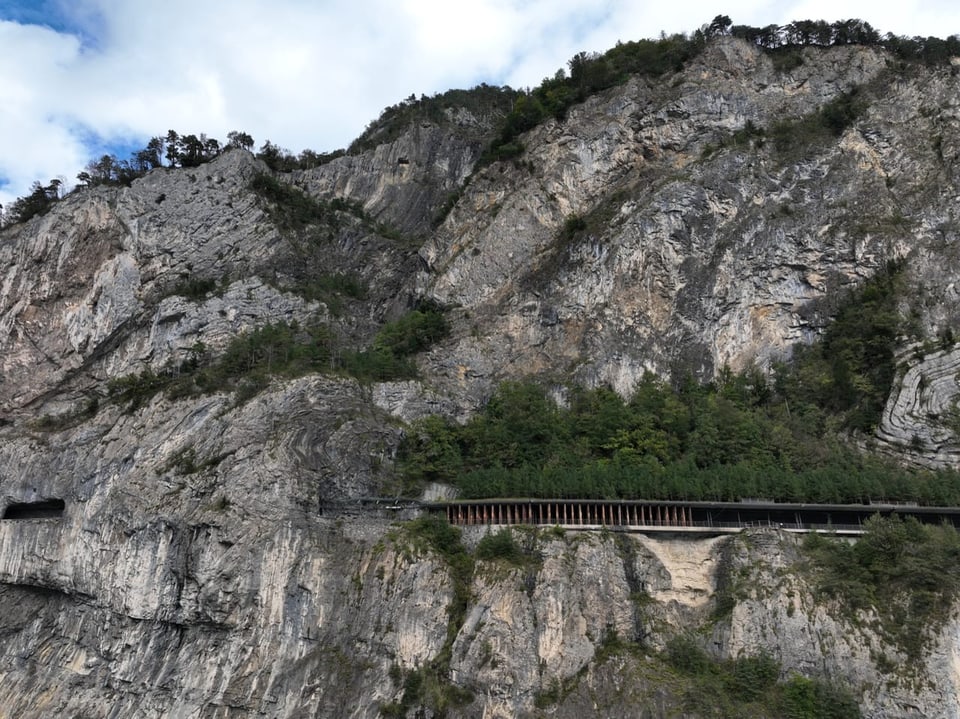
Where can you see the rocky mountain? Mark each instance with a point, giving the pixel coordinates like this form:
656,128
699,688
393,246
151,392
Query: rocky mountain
210,556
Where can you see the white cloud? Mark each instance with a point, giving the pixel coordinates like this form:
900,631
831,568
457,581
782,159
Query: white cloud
307,74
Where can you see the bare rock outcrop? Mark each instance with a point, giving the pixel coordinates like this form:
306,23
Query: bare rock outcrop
215,553
920,419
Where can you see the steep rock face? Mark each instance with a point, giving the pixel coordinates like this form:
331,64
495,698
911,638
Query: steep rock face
214,557
288,649
405,182
83,277
323,616
95,290
693,253
194,532
778,611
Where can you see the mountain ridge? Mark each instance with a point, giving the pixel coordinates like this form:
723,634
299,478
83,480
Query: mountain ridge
211,556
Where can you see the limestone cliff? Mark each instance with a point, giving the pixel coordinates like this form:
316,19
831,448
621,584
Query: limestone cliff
211,558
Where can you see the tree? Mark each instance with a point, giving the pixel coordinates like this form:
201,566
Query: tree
746,32
149,157
412,333
239,140
104,171
173,148
38,202
854,32
432,451
719,26
191,151
277,158
211,147
55,189
576,64
770,37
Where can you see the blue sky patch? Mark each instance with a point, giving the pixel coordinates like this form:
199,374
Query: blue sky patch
63,16
96,145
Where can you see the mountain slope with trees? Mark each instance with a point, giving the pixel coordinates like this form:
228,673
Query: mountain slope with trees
714,265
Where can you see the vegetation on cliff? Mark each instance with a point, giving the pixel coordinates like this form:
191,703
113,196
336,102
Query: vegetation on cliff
286,350
742,435
591,73
731,439
511,112
902,574
751,686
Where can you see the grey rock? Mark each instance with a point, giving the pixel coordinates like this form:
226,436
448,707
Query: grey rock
218,555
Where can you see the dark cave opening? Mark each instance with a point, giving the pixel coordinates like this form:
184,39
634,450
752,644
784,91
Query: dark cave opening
44,509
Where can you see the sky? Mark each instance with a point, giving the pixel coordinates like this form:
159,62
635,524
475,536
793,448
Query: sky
80,78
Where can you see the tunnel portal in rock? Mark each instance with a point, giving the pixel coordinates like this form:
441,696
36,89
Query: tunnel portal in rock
44,509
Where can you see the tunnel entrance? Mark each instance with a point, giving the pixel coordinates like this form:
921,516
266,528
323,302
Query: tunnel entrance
45,509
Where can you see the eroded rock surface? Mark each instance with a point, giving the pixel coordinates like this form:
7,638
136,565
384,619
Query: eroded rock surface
215,556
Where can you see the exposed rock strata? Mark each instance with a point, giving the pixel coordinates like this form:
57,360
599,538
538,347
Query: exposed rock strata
921,419
197,569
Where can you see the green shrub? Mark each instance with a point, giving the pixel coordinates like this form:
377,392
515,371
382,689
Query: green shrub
135,390
572,226
55,423
437,534
791,137
749,678
396,119
787,59
286,350
290,208
589,74
414,332
905,572
684,654
500,546
245,366
376,365
803,698
389,358
194,288
328,288
749,686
